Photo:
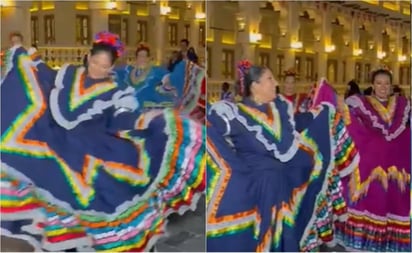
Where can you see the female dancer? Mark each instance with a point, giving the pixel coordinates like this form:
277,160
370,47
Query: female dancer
377,190
85,168
148,81
289,91
183,88
273,183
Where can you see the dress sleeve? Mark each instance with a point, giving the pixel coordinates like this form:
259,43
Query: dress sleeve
302,120
47,74
72,103
220,116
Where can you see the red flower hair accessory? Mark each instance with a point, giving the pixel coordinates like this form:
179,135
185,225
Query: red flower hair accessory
110,39
242,69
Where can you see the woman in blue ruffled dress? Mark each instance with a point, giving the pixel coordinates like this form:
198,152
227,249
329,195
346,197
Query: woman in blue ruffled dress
82,166
273,177
155,87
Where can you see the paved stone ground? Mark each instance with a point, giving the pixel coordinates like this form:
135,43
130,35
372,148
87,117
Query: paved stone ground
185,234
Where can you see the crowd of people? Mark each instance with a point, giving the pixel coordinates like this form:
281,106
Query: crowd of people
296,172
96,156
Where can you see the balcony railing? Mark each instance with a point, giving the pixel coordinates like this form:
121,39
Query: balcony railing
57,56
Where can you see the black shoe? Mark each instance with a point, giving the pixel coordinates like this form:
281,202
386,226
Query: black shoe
71,250
153,249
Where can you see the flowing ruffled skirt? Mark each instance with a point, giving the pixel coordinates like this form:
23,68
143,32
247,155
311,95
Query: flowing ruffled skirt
88,188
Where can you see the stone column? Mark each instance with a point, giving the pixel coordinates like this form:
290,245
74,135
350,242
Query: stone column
394,56
251,13
65,14
159,34
132,26
325,39
354,45
216,48
377,34
194,24
99,17
15,17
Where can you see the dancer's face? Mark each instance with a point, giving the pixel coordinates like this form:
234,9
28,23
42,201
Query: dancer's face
100,65
264,90
142,59
382,86
289,85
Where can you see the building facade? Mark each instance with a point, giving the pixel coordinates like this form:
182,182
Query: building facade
340,40
64,30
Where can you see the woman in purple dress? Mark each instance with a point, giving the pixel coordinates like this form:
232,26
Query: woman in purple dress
378,189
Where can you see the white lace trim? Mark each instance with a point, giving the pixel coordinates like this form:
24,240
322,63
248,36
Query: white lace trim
228,111
118,101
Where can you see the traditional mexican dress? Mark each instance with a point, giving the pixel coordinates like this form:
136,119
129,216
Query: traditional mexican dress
273,183
150,92
82,168
189,80
378,189
298,100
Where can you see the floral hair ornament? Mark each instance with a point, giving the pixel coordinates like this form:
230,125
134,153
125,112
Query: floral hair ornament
382,68
110,39
143,46
290,72
242,69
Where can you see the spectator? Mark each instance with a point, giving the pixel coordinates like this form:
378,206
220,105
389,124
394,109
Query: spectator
191,55
175,58
226,93
16,39
368,91
184,46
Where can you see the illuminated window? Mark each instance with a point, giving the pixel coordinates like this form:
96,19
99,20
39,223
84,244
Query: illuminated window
172,34
358,71
34,29
124,35
228,63
298,67
366,78
264,59
279,63
83,29
202,34
142,31
115,24
49,28
187,31
309,69
405,45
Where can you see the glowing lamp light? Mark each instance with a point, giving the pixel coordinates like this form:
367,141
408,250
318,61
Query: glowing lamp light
111,5
402,58
255,37
200,15
296,44
381,55
357,52
164,10
330,48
